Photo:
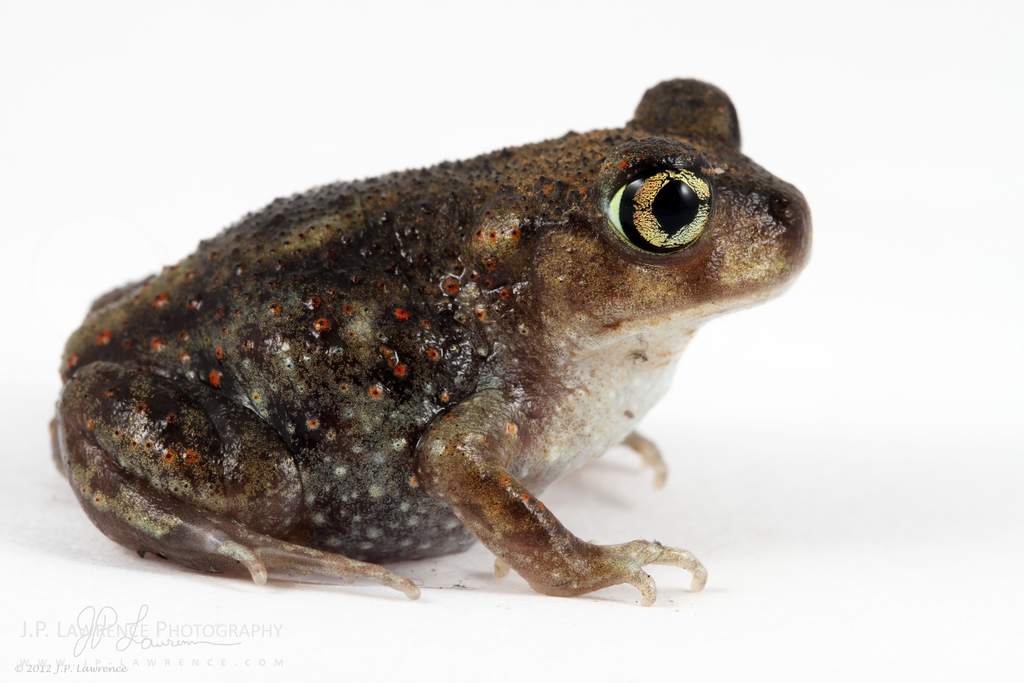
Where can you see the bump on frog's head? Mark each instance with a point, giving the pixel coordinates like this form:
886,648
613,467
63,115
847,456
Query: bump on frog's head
686,108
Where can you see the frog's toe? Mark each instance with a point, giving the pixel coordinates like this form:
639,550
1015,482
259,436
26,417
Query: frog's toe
651,457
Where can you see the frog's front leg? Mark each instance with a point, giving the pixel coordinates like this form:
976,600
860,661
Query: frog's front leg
460,463
188,475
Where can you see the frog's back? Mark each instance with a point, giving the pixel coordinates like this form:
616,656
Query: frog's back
336,322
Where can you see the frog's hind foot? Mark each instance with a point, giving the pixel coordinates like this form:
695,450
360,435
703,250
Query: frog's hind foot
270,553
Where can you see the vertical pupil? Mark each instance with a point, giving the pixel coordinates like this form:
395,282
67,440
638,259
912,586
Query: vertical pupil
675,206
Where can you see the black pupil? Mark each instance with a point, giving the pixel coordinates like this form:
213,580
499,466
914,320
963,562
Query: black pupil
675,206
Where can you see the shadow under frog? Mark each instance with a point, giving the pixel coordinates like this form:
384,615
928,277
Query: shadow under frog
391,368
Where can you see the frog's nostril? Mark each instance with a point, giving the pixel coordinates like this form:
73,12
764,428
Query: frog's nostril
793,217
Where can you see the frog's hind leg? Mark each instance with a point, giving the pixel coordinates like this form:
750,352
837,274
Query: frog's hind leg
194,478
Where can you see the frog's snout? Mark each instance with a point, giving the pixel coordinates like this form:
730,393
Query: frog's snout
790,212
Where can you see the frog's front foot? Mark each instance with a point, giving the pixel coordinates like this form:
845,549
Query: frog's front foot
651,457
622,563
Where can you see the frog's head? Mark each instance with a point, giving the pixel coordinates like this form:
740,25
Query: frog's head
678,226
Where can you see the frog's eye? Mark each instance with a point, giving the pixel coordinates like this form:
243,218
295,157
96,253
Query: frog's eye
663,211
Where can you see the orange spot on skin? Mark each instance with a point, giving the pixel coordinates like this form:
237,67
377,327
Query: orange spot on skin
504,481
492,236
140,408
214,378
526,497
540,506
183,356
275,307
191,456
351,333
447,417
169,455
623,164
490,263
223,331
171,418
255,396
72,360
451,285
414,482
103,338
347,308
343,387
190,274
444,397
321,324
183,336
426,323
313,302
219,353
313,424
127,343
90,425
432,354
480,313
504,293
514,233
375,391
160,299
108,392
400,370
382,287
401,314
512,429
193,303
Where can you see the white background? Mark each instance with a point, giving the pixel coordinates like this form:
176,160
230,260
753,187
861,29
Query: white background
846,460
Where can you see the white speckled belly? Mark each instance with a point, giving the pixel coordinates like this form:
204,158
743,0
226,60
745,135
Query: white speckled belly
604,399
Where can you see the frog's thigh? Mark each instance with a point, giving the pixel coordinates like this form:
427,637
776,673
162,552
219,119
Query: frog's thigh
459,463
194,478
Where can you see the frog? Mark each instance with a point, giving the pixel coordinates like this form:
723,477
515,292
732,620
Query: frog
394,368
